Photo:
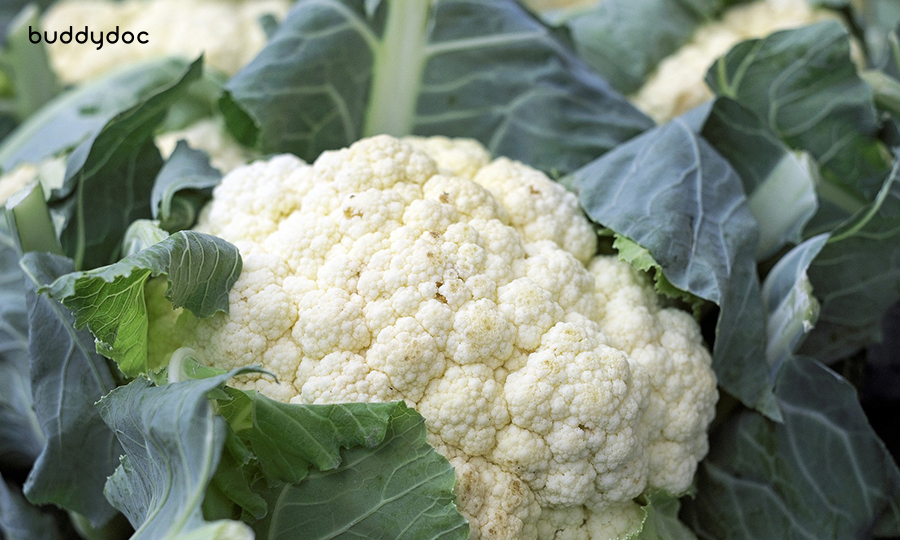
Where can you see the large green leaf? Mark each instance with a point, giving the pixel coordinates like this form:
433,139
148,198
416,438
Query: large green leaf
21,438
401,488
109,177
779,185
856,276
804,85
625,39
671,193
110,300
822,473
67,378
19,520
290,438
173,441
78,114
339,70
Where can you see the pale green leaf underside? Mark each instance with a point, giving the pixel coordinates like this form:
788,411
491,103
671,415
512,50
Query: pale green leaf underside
110,300
172,442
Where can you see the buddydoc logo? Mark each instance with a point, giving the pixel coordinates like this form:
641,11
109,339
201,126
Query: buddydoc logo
82,36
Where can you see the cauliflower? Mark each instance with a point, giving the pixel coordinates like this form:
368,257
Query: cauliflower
552,379
677,84
227,32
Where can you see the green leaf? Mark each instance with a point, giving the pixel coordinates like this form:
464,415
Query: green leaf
625,39
109,177
229,494
21,438
791,309
822,473
672,194
30,223
661,520
67,377
779,184
288,438
110,301
641,259
804,85
19,520
173,441
185,170
339,70
78,114
856,277
401,489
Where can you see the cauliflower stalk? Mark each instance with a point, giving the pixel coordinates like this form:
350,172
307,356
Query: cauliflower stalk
553,380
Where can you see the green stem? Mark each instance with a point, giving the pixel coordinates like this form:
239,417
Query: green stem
29,219
397,71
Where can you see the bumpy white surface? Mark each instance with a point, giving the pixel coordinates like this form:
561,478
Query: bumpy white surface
226,31
552,379
677,85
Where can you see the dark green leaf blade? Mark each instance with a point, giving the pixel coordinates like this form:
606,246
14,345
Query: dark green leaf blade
856,277
68,377
78,114
109,177
804,85
336,71
779,185
288,438
173,441
110,301
822,473
671,193
19,520
400,489
185,170
21,438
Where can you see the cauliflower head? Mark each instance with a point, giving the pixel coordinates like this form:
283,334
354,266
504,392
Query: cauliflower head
228,32
677,85
420,269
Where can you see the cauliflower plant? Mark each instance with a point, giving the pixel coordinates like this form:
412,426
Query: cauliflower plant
553,380
677,84
228,32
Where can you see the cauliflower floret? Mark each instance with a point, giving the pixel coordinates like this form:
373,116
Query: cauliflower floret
17,180
677,84
227,33
559,391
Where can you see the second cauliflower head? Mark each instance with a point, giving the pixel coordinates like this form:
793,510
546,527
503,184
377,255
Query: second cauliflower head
420,269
